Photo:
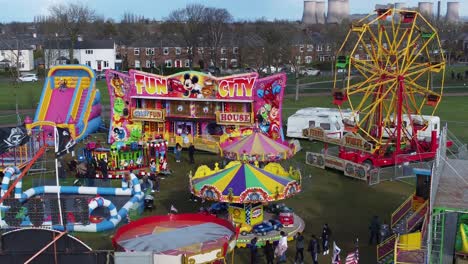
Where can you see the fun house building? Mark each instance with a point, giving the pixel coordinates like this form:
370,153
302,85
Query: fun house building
193,107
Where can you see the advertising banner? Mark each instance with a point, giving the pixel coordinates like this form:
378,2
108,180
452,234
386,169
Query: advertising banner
140,96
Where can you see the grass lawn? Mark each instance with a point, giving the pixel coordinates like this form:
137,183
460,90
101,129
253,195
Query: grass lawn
347,205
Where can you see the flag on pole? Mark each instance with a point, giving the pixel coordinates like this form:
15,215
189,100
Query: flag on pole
64,143
336,254
12,137
353,257
173,209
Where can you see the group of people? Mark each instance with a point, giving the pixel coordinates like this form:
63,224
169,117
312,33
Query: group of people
278,251
86,170
459,75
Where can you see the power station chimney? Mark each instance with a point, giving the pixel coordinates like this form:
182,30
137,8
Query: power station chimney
452,12
438,10
320,12
308,16
426,9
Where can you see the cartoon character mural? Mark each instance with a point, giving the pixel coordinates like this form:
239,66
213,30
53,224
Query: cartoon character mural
266,95
119,87
268,105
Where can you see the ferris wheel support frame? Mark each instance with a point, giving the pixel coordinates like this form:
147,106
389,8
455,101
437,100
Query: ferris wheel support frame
409,74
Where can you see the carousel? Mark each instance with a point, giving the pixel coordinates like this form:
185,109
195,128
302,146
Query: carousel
257,147
246,189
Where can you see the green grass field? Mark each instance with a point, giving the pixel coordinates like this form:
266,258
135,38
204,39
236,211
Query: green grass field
347,205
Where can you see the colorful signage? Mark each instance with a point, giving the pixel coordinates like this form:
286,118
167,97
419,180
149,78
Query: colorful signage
207,94
148,115
233,118
350,140
194,85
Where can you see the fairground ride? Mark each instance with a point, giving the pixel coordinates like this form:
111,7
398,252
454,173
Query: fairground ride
390,70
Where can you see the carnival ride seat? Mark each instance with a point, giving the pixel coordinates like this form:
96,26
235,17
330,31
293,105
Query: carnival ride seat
357,26
427,35
342,62
407,17
339,97
432,100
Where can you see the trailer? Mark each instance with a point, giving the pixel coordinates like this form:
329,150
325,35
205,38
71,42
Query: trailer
330,119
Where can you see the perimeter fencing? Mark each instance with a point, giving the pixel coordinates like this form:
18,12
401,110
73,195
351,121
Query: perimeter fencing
458,150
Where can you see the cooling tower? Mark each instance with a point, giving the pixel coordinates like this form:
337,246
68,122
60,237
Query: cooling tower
337,10
426,9
308,16
452,12
346,9
320,12
400,5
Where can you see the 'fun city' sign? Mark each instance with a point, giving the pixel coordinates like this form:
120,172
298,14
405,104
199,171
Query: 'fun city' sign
236,87
149,84
148,115
233,118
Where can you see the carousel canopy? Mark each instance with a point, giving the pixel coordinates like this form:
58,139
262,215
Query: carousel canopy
257,146
243,183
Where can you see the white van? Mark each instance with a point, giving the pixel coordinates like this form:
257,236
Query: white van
330,119
429,123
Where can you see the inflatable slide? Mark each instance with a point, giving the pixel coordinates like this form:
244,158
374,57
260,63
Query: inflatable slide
69,99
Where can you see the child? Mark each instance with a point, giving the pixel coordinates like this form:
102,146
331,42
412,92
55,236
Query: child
63,85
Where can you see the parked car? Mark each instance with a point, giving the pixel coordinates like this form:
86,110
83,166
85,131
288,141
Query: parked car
273,69
277,225
101,75
30,77
310,72
218,208
245,229
214,70
263,228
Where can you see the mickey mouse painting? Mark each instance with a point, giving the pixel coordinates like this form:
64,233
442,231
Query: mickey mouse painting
191,86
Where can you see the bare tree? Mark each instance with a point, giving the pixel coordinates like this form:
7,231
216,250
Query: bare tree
74,18
188,23
272,35
215,22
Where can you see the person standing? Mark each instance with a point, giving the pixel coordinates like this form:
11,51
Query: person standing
178,152
157,182
374,228
326,233
282,247
314,249
191,153
61,170
299,258
104,169
269,252
253,250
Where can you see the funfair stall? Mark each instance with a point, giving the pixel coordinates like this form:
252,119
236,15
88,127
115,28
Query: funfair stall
194,107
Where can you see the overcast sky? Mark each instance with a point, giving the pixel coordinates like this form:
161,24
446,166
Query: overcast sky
25,10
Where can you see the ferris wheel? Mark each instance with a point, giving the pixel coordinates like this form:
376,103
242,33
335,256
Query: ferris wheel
390,72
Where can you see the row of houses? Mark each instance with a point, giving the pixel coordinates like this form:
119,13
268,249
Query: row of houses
107,54
165,52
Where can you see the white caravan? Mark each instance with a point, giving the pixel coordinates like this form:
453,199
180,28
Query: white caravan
330,119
